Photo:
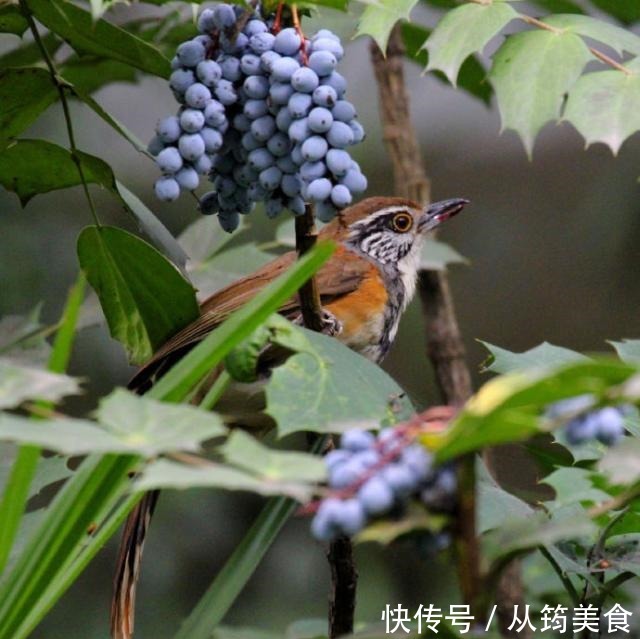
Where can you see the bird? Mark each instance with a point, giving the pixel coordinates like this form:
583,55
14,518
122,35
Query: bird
364,288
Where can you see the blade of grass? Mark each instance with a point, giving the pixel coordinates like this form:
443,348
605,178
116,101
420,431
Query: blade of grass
100,482
239,568
192,367
16,493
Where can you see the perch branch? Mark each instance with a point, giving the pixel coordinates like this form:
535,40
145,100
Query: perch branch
445,348
344,577
60,84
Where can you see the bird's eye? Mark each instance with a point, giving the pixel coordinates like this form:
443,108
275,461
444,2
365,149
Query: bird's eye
402,222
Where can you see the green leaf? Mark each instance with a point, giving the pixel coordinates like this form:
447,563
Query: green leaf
530,84
622,463
19,383
153,227
436,256
248,454
90,73
386,531
24,95
22,339
243,632
496,506
12,20
617,38
127,424
627,12
628,350
508,408
202,239
227,266
176,384
544,355
605,107
169,474
464,31
379,18
559,6
30,167
153,427
144,298
573,486
229,582
329,388
101,38
28,53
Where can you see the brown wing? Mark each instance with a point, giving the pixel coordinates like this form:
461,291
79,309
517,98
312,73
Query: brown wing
340,275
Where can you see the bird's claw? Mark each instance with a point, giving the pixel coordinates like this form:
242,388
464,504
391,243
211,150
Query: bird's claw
331,325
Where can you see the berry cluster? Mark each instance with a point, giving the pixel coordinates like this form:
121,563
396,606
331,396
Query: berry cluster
604,424
263,115
374,476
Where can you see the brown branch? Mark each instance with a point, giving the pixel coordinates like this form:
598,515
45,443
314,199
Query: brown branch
445,347
344,580
306,238
344,577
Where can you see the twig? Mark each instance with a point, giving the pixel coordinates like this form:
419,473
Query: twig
445,348
61,85
344,580
566,582
603,57
306,237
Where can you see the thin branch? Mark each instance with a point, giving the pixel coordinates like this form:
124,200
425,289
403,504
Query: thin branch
306,238
61,85
566,582
603,57
445,348
618,502
344,580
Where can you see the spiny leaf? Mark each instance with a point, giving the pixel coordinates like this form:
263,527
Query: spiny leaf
126,424
19,383
605,107
617,38
530,83
628,349
329,388
464,31
379,18
169,474
248,454
472,76
544,355
144,298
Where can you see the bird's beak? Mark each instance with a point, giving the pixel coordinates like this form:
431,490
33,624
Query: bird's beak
438,212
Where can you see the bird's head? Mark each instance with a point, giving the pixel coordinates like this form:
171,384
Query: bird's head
390,229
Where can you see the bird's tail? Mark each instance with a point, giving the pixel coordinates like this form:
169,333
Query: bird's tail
128,566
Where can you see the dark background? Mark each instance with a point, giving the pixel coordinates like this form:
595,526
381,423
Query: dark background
553,251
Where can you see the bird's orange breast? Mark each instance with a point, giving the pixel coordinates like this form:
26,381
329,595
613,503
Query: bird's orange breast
361,312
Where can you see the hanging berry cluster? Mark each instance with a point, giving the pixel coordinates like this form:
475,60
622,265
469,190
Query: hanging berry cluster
377,476
263,114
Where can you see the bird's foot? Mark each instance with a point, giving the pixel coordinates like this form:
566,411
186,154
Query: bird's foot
331,325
